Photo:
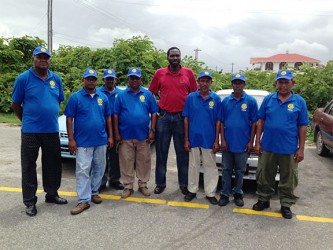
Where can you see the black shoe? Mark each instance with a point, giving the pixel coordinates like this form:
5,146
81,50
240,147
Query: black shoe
224,200
286,212
212,200
55,199
260,205
184,190
158,190
189,196
102,188
238,199
31,210
116,185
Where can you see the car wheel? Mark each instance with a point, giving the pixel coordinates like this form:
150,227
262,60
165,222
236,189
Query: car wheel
320,146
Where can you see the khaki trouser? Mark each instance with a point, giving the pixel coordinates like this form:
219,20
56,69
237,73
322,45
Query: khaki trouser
266,172
211,175
134,158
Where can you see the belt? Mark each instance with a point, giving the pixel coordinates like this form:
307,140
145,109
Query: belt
162,111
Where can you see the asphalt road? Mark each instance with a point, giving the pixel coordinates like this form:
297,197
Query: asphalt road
163,221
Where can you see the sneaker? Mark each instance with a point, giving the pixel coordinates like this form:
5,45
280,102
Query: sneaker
159,189
96,199
212,200
238,199
286,212
144,191
189,196
184,190
260,205
80,208
127,192
224,200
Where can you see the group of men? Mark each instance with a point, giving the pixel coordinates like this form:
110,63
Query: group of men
110,131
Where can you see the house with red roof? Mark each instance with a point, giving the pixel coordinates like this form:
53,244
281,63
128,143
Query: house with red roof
279,61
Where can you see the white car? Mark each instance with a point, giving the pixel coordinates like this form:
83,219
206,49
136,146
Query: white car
252,162
63,134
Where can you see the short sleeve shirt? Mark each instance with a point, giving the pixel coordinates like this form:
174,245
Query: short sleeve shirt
40,100
281,122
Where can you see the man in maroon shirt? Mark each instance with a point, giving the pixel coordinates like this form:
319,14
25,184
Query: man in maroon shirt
172,84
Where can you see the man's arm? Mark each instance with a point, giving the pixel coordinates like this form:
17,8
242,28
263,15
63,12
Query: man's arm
17,108
299,156
109,129
187,144
259,130
71,141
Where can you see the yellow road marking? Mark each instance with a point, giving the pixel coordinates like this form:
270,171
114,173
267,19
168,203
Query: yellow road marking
187,204
184,204
146,200
314,219
250,211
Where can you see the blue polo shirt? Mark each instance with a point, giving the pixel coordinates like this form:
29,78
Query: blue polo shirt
133,113
40,100
111,96
282,120
237,116
202,115
89,117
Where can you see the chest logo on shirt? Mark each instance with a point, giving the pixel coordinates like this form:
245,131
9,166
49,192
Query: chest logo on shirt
52,84
142,98
244,107
211,104
100,101
290,107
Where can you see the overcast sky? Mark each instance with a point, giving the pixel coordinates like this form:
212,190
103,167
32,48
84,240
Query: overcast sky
226,32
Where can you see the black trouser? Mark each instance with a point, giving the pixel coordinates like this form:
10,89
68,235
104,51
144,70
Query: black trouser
112,171
51,164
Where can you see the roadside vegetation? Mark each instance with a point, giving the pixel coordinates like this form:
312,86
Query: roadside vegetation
314,84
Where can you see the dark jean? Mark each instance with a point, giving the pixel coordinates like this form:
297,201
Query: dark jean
170,125
112,171
232,161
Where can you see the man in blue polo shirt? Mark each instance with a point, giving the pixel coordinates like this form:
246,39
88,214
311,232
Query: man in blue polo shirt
88,114
238,118
134,108
112,171
201,128
36,96
280,139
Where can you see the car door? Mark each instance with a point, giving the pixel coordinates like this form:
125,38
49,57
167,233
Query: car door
326,121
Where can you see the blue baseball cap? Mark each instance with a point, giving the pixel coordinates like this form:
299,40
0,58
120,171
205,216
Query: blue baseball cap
238,76
89,72
41,50
205,73
134,72
109,73
284,74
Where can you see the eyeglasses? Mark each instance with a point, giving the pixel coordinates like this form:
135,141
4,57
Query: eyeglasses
134,78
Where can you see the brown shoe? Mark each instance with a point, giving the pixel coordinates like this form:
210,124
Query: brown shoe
80,208
96,199
127,192
144,191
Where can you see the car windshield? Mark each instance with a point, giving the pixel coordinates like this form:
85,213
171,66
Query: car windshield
259,98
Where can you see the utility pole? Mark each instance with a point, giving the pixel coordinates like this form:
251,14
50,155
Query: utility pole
196,53
232,67
49,25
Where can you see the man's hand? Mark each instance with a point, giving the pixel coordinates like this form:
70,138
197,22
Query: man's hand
299,156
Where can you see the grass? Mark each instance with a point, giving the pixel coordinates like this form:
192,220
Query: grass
10,119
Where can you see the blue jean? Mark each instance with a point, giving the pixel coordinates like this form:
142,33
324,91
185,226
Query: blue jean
90,167
232,161
170,125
